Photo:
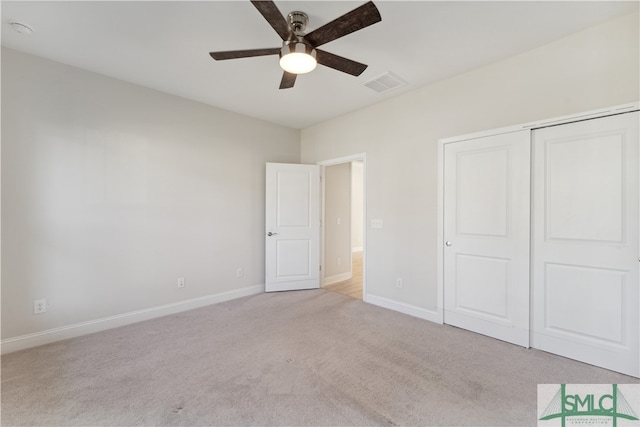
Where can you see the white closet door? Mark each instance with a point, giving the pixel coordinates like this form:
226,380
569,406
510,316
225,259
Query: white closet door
585,242
292,214
486,230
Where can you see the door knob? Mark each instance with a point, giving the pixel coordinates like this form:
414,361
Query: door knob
271,234
448,243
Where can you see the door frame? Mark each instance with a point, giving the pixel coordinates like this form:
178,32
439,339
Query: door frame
593,114
362,157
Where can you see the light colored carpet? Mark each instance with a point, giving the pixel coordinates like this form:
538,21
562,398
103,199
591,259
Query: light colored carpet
291,358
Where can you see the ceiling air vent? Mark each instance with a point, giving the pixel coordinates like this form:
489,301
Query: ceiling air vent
385,83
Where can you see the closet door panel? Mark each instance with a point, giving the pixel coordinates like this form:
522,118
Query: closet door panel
486,227
585,242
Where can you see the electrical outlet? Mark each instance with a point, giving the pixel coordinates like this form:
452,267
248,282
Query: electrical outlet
376,223
39,306
239,272
399,282
181,282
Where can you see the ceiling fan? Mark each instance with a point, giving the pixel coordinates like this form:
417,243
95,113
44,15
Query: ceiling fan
299,53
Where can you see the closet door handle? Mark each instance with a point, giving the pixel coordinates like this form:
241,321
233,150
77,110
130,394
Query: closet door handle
448,243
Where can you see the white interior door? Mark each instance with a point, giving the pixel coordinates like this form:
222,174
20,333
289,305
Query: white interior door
486,230
585,242
292,241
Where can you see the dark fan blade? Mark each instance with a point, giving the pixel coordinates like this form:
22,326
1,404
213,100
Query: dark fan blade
270,11
357,19
233,54
288,80
339,63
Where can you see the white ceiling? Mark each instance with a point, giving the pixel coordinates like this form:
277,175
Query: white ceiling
164,45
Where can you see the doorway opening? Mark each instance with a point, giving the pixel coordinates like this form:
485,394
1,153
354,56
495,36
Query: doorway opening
343,230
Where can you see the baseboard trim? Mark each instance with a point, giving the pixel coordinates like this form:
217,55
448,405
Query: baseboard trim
337,278
411,310
22,342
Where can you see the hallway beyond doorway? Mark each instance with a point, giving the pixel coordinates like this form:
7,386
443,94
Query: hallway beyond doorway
353,286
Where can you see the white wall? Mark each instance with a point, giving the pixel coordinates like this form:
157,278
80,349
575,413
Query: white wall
594,68
337,223
111,191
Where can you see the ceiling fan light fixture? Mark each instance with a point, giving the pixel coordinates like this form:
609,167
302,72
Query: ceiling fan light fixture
297,57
